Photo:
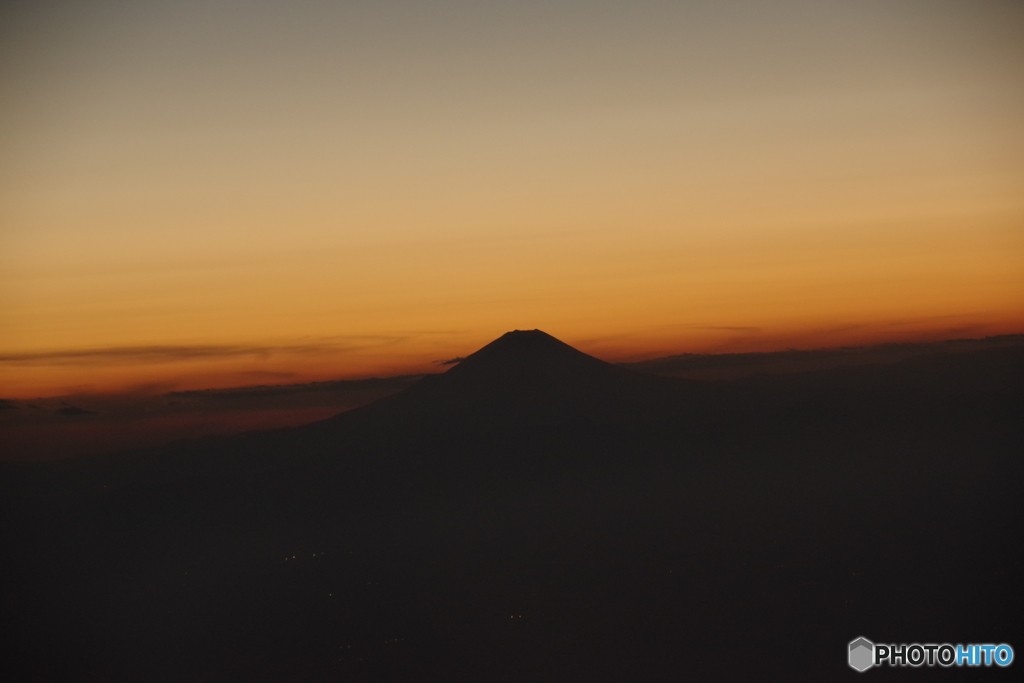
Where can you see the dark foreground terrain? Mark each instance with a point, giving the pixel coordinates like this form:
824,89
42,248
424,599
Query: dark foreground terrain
535,514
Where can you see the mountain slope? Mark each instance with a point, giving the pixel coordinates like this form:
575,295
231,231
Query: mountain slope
529,377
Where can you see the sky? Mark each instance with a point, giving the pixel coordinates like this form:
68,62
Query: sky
213,193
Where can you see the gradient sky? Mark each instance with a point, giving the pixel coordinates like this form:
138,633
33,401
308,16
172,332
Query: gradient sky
213,193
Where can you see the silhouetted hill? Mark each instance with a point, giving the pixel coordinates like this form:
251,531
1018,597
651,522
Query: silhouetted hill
41,429
727,366
535,514
527,377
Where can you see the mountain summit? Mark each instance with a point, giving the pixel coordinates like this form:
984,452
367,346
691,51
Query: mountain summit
528,376
521,358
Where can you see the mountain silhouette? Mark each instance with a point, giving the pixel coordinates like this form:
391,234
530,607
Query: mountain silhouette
534,513
529,377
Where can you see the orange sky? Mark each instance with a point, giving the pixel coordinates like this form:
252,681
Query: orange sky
219,193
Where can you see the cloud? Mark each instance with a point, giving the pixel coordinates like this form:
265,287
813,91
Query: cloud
143,355
720,328
74,410
373,384
450,361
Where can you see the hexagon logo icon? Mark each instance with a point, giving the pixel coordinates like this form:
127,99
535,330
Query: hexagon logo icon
862,654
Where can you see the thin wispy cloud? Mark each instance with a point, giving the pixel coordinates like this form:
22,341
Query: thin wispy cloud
167,353
719,328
